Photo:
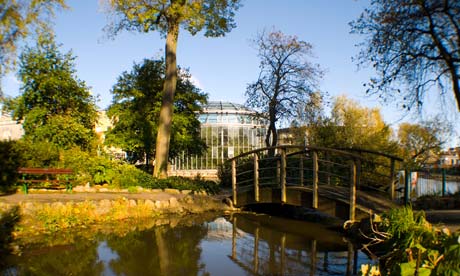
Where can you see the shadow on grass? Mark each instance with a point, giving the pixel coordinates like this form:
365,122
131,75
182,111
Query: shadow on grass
8,220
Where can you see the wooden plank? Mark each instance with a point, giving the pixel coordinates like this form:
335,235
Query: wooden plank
283,175
353,178
315,180
234,182
256,177
392,179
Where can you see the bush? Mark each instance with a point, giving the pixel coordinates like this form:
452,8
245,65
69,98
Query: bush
88,168
11,159
412,244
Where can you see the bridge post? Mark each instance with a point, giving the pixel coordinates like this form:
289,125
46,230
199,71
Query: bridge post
256,177
283,175
407,186
392,179
315,180
301,170
353,178
256,251
234,182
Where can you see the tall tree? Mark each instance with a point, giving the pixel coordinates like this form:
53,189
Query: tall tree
412,43
421,142
136,106
287,79
55,105
18,19
215,16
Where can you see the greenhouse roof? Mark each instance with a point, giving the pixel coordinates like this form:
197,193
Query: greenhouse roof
225,107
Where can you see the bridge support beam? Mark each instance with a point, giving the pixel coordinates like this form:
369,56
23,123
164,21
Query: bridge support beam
315,180
392,179
256,177
234,182
283,175
301,170
353,182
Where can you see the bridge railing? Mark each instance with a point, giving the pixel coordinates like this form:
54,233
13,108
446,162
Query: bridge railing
379,172
292,166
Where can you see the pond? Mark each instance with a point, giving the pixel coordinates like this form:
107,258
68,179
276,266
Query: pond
210,244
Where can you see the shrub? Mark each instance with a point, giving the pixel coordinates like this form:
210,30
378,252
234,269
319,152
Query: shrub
11,159
413,246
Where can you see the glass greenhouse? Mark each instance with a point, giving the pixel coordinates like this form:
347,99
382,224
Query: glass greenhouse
228,130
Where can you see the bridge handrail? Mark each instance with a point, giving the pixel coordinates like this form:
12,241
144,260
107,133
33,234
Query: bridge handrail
390,156
304,149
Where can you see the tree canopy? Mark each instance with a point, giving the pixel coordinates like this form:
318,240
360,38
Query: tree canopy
215,17
353,126
55,105
413,46
136,106
286,81
20,18
420,143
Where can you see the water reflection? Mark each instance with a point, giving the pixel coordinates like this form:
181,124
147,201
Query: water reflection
242,244
265,245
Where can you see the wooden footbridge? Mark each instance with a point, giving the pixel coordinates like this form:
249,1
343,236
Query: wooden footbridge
348,184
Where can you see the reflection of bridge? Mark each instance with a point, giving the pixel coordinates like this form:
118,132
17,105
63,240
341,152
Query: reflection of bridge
304,249
347,184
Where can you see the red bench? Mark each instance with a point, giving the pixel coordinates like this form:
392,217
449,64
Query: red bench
46,172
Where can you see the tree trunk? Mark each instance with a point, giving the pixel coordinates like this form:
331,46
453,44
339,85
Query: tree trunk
166,111
163,252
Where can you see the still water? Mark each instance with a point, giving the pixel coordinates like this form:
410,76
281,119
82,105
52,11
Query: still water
240,244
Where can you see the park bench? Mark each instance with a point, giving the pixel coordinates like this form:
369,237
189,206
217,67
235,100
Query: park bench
54,182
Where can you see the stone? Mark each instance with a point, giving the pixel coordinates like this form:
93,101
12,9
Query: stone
157,204
79,188
105,203
172,191
149,204
173,203
132,203
188,199
156,190
186,192
56,205
103,190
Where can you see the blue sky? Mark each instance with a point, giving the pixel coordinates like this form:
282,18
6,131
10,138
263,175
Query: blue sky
222,67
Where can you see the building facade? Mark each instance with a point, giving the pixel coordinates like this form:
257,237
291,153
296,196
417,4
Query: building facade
228,130
10,129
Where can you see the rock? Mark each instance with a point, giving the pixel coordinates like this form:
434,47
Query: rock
157,204
156,190
172,191
124,191
186,192
103,190
149,204
79,188
105,203
188,199
173,202
132,203
57,205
